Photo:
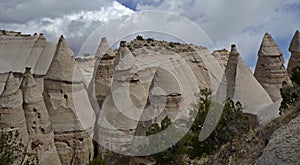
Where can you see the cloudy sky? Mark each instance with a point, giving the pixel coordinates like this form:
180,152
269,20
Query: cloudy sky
224,21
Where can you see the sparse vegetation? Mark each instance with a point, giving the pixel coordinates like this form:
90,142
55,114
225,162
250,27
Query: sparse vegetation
12,149
290,94
97,161
232,125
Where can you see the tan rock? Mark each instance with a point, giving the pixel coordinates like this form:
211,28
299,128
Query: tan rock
63,66
295,52
11,111
104,71
41,136
35,51
70,111
243,87
270,70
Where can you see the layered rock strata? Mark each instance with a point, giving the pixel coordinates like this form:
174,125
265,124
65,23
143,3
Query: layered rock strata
41,136
270,70
70,112
295,52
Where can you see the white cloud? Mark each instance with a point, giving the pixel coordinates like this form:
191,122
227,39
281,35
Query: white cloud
75,26
240,22
225,22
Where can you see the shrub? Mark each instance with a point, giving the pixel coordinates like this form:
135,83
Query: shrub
232,125
12,149
139,37
290,94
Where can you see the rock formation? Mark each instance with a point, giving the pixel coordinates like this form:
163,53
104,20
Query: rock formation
146,81
145,88
295,52
243,87
283,146
12,116
104,70
270,70
41,136
69,109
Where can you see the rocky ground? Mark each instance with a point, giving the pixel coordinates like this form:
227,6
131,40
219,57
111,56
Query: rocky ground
275,143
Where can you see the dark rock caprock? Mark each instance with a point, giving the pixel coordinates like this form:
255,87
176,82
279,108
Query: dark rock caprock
295,52
270,70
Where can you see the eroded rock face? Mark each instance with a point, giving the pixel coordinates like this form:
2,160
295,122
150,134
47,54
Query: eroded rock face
11,112
41,136
145,88
243,87
283,147
104,71
295,52
270,70
70,112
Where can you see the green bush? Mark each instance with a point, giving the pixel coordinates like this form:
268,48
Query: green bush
232,125
12,149
290,93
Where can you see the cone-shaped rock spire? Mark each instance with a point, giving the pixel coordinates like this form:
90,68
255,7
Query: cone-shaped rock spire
41,136
295,43
269,47
242,86
104,49
270,70
295,52
11,86
28,86
70,111
11,111
125,60
104,70
63,66
230,71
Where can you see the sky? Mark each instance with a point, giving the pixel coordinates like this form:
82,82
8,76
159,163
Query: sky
224,21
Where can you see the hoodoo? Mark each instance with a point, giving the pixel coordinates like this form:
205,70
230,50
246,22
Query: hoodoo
243,87
11,111
270,70
70,112
41,136
103,72
295,52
